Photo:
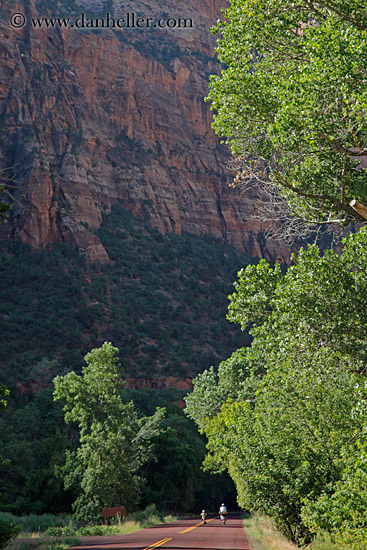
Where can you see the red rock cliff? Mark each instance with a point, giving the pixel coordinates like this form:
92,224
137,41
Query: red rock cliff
91,117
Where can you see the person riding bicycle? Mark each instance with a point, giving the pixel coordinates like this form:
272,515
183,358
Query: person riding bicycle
223,513
222,510
203,516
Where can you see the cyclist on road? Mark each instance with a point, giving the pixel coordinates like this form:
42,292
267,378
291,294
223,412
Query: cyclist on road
203,516
223,513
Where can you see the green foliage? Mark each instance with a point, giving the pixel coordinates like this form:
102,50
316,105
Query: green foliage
114,442
321,301
175,481
37,523
323,542
287,448
341,511
31,450
167,297
254,291
45,287
147,517
292,99
281,418
162,302
237,376
97,530
8,531
62,543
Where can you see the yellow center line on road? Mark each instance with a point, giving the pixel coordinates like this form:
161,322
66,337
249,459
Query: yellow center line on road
156,544
193,527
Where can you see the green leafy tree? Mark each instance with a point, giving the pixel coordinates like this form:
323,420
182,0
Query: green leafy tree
114,442
175,481
341,509
32,449
291,101
281,419
237,378
287,447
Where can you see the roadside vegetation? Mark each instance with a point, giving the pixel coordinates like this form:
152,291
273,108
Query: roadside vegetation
162,303
281,406
48,531
286,416
264,536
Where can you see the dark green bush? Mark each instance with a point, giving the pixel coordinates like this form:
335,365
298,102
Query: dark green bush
37,523
8,531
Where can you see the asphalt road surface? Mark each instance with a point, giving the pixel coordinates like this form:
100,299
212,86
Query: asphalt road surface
188,534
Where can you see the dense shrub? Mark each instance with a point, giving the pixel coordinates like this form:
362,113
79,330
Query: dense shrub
8,531
37,523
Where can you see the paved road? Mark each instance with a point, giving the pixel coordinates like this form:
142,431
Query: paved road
180,535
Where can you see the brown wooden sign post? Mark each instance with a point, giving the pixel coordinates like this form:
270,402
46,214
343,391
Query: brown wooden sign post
119,511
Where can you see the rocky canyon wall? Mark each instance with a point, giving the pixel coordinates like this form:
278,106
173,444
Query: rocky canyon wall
94,116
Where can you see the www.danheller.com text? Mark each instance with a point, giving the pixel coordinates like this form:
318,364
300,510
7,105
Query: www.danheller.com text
129,20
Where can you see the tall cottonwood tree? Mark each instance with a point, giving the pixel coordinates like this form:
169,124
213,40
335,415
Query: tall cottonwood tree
114,441
292,103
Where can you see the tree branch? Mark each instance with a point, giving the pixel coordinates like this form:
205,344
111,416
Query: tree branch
341,149
342,15
327,198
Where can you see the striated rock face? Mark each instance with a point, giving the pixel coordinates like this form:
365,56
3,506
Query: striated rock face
90,117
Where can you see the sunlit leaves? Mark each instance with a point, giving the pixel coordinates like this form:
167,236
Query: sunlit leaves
294,94
283,417
114,441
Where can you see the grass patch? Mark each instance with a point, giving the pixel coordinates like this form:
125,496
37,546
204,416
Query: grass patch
124,527
128,527
323,542
61,543
264,536
50,532
148,517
